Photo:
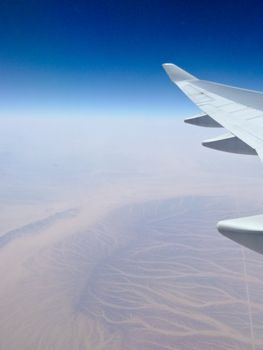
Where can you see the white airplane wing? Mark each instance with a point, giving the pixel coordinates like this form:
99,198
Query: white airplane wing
240,112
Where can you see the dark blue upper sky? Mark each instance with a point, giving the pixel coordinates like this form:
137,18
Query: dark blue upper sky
104,57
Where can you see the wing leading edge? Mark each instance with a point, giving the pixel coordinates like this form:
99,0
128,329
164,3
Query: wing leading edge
240,111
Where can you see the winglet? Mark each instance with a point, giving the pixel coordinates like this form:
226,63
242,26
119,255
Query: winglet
176,73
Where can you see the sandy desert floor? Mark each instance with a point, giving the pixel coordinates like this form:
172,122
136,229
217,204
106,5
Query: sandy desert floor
109,247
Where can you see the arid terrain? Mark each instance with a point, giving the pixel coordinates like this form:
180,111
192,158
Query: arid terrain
108,239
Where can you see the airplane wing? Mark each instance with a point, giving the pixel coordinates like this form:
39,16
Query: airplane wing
240,112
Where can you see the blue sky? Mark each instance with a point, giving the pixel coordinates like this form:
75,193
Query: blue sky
104,57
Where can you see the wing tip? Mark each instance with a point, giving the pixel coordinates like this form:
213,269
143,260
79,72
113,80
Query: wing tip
176,73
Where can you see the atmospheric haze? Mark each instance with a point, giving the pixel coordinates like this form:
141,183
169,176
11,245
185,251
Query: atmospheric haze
108,238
